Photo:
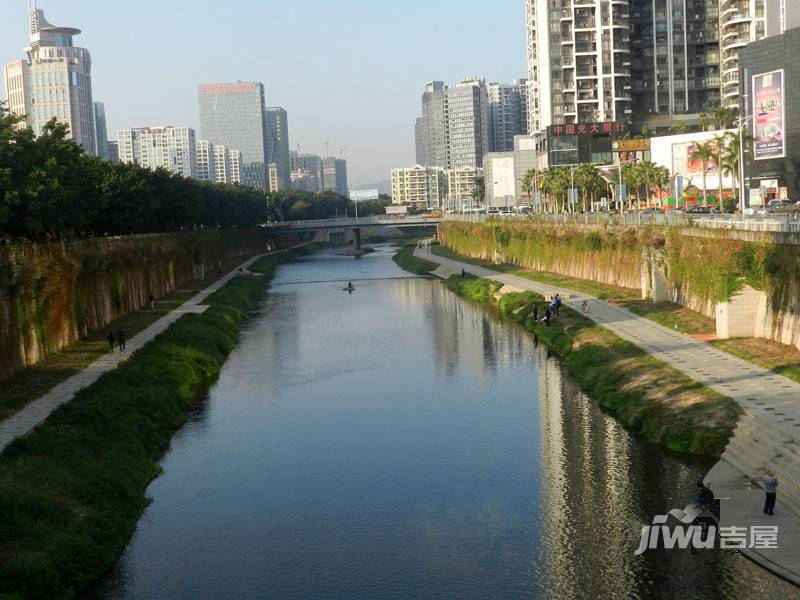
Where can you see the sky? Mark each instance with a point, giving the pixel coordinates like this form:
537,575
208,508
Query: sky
349,73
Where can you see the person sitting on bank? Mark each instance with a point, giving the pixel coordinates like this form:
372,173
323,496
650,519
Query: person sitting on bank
547,317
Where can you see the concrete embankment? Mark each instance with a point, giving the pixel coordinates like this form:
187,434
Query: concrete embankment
750,284
52,294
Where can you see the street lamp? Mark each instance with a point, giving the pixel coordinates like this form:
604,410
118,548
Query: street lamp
740,123
572,170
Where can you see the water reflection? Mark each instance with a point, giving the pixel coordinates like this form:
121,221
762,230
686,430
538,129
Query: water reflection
399,442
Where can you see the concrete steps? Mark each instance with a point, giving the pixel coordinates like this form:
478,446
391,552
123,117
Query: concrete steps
507,289
757,444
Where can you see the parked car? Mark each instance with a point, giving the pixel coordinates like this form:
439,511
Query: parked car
780,207
703,210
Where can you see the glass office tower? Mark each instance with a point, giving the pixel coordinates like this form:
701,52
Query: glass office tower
234,115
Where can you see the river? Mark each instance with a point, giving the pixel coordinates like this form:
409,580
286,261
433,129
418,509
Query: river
399,442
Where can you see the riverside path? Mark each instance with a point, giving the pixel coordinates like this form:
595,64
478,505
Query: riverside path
37,411
767,436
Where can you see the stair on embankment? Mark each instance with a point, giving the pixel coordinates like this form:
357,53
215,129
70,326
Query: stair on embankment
507,289
759,444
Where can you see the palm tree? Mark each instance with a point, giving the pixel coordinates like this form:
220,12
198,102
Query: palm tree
479,193
632,178
530,181
724,117
720,145
704,152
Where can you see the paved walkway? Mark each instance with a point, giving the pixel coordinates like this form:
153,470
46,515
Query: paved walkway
37,411
768,397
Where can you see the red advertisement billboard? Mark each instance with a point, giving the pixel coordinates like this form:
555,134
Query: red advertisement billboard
768,116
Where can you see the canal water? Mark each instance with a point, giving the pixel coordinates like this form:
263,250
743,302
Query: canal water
399,442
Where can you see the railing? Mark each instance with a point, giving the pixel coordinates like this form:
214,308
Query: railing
352,221
735,222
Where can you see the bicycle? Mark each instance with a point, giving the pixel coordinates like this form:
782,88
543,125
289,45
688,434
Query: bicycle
585,307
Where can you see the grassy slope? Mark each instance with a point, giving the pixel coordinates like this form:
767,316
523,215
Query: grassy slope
72,492
659,402
405,259
668,314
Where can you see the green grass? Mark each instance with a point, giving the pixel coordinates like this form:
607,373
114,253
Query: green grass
406,260
668,314
651,398
778,358
72,491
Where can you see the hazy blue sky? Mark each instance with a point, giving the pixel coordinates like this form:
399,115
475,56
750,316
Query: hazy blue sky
349,72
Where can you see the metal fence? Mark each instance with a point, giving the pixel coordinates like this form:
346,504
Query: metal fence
736,222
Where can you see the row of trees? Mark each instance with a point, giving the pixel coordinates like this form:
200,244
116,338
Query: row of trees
643,180
49,188
554,185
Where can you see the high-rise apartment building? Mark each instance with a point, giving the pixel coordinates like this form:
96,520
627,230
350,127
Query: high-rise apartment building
278,146
419,141
334,175
455,124
206,166
53,81
505,117
579,61
234,115
101,130
675,56
742,22
236,166
306,172
521,86
467,123
171,148
113,151
227,164
434,125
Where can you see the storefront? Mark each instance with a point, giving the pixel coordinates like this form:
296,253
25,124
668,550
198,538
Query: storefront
581,143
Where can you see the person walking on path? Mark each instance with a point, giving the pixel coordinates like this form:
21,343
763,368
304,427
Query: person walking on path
557,301
121,339
463,273
770,491
111,340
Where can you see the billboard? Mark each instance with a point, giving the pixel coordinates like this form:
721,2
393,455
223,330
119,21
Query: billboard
768,116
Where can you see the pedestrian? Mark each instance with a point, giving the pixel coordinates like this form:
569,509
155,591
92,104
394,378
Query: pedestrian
121,339
770,491
547,317
557,301
535,313
152,301
111,340
463,273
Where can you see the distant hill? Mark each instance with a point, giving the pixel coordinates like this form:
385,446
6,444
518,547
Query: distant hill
383,187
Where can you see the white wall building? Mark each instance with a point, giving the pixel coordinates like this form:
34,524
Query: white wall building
171,148
206,165
460,185
675,153
423,186
54,80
